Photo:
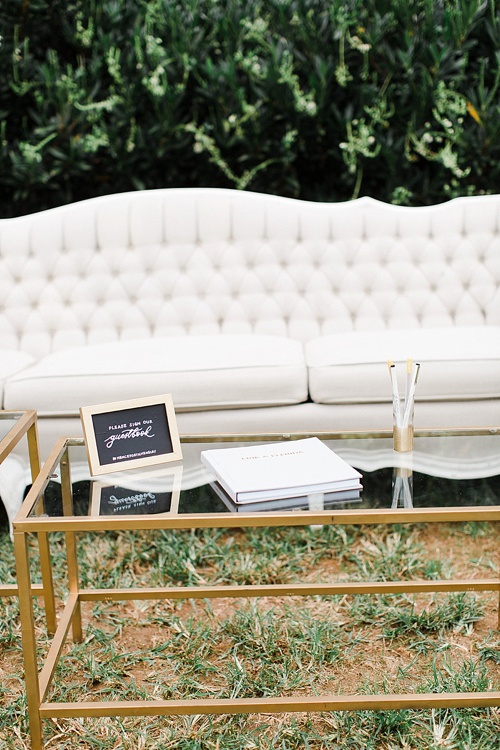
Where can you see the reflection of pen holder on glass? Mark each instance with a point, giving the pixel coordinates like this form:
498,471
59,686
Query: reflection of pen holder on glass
402,431
402,487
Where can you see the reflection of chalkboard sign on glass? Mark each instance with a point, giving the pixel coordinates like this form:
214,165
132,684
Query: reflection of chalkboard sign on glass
130,434
154,494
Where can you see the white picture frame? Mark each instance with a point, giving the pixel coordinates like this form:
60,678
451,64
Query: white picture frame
130,434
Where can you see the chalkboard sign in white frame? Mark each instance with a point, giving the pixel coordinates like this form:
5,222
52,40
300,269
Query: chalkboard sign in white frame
130,434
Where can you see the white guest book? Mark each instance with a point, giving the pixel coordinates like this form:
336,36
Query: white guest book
277,470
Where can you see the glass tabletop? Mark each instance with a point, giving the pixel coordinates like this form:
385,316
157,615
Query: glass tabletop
8,420
444,470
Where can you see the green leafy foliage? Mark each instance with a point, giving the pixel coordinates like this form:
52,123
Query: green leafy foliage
306,98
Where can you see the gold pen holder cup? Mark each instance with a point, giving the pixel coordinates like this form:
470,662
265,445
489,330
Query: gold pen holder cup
402,438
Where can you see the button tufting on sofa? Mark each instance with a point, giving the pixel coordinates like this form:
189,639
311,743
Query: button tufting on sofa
176,267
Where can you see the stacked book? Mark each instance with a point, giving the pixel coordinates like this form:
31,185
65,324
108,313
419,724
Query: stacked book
287,475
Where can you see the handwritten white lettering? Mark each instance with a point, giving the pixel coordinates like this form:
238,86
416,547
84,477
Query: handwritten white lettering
129,434
113,500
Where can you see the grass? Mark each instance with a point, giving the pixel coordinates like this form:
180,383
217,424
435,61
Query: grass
260,647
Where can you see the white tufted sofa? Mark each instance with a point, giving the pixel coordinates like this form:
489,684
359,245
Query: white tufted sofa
258,313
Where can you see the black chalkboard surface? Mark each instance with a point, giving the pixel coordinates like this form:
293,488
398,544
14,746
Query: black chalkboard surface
130,434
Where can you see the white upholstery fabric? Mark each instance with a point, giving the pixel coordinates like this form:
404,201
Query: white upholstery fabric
199,371
12,361
306,417
80,285
460,363
208,261
312,417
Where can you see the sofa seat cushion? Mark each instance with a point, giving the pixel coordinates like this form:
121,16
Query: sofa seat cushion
201,372
11,361
459,363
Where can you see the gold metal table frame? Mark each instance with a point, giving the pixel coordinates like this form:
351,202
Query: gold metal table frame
25,426
38,683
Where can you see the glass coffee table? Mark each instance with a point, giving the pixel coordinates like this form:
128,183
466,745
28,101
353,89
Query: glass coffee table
450,476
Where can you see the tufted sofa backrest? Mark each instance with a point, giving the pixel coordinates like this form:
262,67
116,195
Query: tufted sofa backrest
202,260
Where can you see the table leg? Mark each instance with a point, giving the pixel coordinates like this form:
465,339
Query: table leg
43,544
70,537
28,639
34,452
47,582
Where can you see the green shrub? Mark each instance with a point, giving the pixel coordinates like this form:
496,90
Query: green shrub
317,99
